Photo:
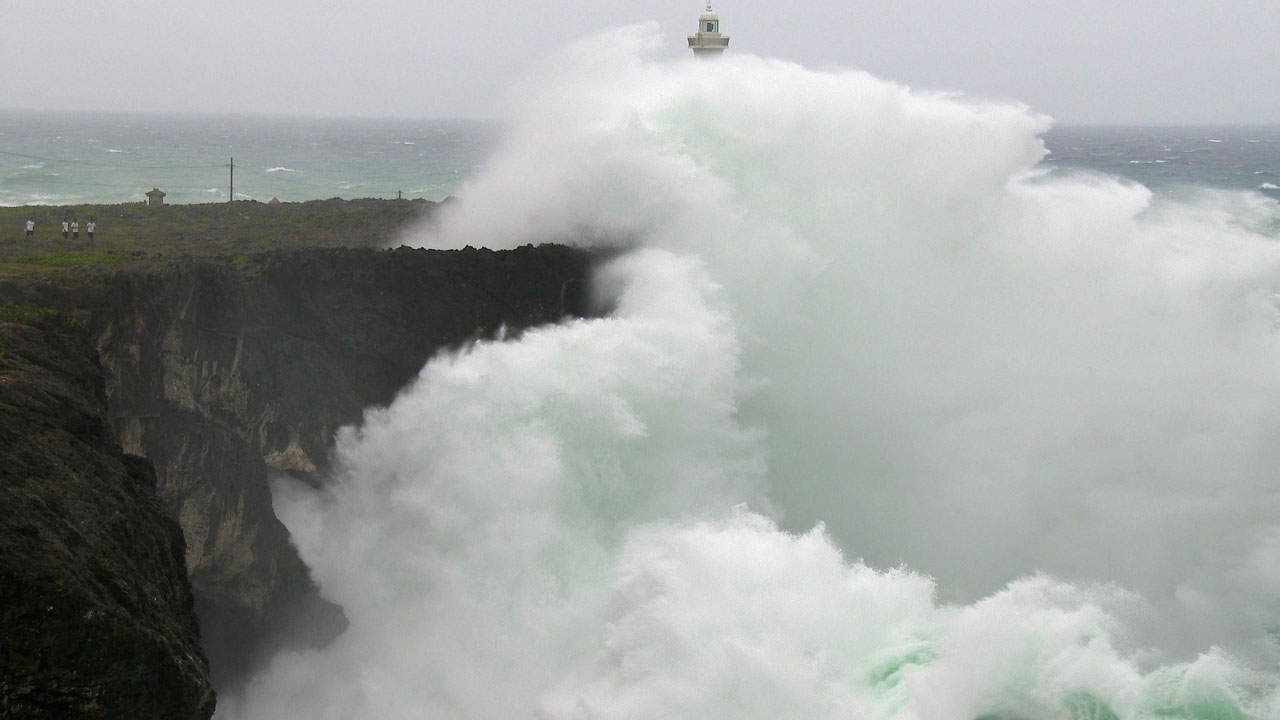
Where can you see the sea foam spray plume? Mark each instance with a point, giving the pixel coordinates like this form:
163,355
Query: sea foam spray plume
855,304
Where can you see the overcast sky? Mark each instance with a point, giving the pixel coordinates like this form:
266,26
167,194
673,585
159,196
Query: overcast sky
1173,61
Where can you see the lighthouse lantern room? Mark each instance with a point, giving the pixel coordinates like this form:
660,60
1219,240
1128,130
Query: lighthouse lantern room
708,42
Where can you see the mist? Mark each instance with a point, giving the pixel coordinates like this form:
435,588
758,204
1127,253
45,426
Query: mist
1144,61
889,421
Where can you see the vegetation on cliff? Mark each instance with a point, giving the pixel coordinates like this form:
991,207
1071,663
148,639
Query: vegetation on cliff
135,236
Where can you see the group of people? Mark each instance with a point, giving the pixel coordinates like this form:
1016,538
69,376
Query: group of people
70,228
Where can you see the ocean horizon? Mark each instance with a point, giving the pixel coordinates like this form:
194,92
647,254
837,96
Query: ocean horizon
68,158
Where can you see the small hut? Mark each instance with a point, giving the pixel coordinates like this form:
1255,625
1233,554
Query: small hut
155,197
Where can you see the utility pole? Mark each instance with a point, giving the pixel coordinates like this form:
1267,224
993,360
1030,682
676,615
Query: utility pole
232,196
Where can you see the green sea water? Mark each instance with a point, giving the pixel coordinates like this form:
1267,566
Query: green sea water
69,158
61,158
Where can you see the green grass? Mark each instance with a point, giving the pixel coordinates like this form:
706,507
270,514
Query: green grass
66,259
25,314
133,234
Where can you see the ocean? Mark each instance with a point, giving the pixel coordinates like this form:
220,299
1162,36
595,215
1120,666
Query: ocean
63,158
893,417
1165,157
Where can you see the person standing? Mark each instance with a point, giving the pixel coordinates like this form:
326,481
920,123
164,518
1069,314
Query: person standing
89,227
75,229
66,228
31,228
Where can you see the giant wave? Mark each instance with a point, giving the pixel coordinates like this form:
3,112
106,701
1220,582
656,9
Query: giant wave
887,422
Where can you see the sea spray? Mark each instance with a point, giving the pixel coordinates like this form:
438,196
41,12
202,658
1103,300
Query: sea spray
472,525
849,304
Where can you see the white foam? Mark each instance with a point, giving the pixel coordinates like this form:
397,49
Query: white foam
1055,394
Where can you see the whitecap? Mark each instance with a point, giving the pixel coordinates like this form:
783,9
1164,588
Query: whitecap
280,169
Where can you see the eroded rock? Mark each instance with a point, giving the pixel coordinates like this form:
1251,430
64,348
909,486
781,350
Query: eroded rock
96,612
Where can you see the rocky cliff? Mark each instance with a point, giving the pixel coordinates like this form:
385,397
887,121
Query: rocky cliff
221,372
96,613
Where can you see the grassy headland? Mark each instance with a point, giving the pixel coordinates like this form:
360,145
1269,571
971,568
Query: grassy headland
138,235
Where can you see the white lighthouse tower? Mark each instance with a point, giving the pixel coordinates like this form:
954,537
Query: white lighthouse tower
708,42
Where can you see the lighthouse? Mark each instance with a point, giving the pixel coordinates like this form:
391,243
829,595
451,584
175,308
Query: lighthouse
708,42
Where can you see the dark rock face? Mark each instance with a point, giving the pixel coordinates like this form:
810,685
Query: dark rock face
96,613
221,373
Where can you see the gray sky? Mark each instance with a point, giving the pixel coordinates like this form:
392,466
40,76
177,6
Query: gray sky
1174,61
